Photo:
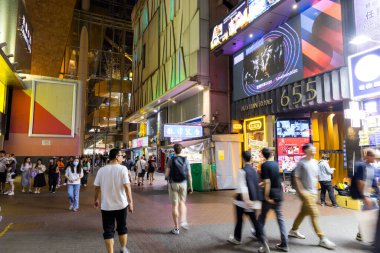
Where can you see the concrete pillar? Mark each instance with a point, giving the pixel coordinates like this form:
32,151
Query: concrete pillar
82,90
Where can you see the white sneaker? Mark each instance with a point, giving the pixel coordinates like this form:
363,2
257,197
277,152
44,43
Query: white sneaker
64,184
185,226
232,240
11,194
264,248
175,231
296,234
326,243
7,192
71,207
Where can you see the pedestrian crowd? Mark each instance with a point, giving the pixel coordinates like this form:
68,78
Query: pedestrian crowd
256,193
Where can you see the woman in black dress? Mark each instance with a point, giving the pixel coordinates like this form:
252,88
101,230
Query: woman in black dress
151,169
53,171
39,180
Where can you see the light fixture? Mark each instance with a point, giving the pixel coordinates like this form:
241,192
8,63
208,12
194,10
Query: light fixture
155,110
251,35
142,117
174,102
295,6
361,39
200,87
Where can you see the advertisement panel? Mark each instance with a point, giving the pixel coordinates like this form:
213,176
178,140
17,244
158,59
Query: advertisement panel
140,142
244,14
292,134
307,45
255,137
367,19
364,74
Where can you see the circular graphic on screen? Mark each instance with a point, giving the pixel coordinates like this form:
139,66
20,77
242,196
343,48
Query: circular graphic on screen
367,68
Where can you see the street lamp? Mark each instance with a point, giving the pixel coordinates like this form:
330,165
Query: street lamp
361,39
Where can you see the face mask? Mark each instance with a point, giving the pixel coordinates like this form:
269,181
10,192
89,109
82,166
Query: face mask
75,163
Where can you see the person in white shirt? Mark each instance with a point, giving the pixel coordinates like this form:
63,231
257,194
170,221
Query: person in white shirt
74,173
141,170
112,186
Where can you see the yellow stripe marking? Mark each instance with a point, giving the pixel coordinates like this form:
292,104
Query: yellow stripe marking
5,230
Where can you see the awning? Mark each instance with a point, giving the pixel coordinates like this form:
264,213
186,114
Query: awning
188,143
7,73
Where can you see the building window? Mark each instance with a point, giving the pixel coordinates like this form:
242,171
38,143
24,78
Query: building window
143,56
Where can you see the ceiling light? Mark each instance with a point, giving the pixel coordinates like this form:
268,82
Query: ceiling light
142,117
155,110
251,35
361,39
200,87
295,6
174,102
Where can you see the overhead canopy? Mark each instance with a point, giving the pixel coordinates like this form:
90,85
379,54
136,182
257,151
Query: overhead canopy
7,76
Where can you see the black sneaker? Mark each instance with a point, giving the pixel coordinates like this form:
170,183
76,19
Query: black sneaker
359,237
282,247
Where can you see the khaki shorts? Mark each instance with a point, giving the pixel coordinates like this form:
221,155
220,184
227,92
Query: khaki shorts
177,192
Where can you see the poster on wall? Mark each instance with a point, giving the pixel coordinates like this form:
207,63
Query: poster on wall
52,115
367,20
291,134
305,46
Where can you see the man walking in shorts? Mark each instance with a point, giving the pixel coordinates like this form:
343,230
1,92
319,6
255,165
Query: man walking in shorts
112,183
178,173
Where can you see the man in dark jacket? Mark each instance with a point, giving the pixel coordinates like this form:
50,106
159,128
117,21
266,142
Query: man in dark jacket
247,201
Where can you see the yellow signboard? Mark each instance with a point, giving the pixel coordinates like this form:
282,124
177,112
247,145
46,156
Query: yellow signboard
221,155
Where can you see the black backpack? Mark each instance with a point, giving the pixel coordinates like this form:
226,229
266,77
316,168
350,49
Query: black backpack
178,169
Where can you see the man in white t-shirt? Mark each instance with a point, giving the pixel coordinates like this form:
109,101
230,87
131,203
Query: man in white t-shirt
112,183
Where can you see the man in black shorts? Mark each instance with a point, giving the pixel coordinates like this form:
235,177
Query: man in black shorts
113,184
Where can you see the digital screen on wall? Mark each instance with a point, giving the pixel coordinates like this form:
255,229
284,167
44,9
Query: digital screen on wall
306,45
291,134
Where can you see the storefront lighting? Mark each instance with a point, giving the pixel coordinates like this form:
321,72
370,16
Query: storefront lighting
142,117
155,110
174,102
362,39
200,87
251,35
295,6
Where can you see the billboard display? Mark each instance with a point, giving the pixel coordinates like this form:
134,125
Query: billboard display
244,14
292,134
307,45
364,74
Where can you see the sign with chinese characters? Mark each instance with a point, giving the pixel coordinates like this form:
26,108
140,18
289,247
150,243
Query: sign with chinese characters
238,18
140,142
364,73
367,19
183,131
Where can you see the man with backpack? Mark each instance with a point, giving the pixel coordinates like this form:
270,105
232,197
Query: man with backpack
306,179
362,183
178,173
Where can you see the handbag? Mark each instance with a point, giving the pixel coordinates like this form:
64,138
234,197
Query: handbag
34,174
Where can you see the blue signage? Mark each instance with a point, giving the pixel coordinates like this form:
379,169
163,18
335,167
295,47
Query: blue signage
183,131
364,74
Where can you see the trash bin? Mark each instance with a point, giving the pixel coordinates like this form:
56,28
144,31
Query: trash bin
196,174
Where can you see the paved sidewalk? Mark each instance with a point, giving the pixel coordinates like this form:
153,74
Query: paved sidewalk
42,223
